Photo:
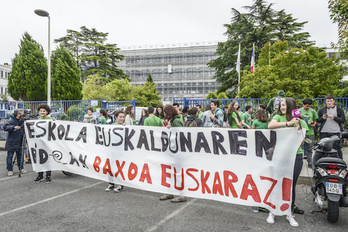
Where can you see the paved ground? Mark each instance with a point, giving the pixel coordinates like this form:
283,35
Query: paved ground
78,203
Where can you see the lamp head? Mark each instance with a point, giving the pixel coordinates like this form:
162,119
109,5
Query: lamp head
41,13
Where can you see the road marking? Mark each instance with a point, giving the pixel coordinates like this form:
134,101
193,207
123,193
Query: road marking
48,199
169,216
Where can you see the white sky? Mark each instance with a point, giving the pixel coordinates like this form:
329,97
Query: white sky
144,22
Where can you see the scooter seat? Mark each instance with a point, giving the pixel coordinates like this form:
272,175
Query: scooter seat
330,160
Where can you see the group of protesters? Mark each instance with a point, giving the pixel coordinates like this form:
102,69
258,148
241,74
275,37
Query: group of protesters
277,114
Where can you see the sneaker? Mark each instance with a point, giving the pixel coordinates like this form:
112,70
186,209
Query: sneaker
178,199
39,179
48,180
270,218
10,173
24,171
118,188
110,187
292,221
166,197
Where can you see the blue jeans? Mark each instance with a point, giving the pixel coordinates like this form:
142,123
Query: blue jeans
336,145
10,157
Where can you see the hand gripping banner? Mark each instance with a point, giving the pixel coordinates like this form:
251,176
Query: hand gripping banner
246,167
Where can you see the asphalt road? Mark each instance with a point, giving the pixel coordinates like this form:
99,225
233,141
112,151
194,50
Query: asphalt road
78,203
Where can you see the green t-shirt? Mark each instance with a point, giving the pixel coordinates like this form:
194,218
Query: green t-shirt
282,118
246,119
45,118
260,125
308,115
200,115
102,120
233,123
153,121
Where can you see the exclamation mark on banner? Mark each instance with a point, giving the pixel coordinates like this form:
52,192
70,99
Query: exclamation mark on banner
287,184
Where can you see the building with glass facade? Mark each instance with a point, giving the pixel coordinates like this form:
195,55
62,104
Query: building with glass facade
179,70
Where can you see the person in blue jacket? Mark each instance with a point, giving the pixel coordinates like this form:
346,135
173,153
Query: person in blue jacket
14,127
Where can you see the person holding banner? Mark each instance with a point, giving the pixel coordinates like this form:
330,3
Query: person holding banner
44,111
284,118
174,120
119,120
90,117
261,121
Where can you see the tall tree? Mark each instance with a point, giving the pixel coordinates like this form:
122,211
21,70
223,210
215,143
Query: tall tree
93,54
73,41
260,25
147,94
339,14
66,83
300,73
28,79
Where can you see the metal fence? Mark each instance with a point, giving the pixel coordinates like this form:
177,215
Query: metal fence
255,102
70,110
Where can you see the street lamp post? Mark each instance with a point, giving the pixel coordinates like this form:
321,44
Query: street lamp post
44,13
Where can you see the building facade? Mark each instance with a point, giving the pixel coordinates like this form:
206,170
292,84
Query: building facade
179,70
5,69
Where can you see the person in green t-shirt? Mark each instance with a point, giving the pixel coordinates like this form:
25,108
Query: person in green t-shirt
44,111
234,119
200,113
261,121
247,117
284,118
102,116
310,116
152,120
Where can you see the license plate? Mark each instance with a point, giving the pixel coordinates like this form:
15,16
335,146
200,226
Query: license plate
333,188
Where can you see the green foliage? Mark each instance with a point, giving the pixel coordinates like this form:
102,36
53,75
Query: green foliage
65,76
343,90
222,95
119,90
93,55
211,95
28,79
339,14
147,94
300,73
94,87
260,25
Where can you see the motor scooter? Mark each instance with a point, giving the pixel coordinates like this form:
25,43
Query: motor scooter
330,175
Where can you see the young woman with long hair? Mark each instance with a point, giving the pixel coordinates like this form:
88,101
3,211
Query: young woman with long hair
174,120
284,118
261,121
233,116
129,115
159,112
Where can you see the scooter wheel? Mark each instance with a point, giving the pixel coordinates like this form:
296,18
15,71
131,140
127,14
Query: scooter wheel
332,211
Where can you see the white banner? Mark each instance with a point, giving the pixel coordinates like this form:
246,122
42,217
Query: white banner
246,167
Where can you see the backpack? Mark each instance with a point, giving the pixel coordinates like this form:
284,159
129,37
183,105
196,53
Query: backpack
226,124
191,123
277,102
